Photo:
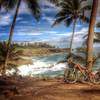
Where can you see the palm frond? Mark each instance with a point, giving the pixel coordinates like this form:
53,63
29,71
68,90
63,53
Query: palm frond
98,25
64,12
84,19
71,9
54,1
59,20
97,34
81,1
9,4
86,7
1,2
76,4
96,40
34,7
69,21
66,4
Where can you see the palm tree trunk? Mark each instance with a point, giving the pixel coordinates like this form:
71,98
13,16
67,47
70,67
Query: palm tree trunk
89,58
72,38
11,35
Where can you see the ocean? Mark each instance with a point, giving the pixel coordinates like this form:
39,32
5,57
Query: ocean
52,65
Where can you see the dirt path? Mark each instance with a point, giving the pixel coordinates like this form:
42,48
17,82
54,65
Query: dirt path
34,89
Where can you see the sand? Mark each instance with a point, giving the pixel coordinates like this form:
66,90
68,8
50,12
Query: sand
52,89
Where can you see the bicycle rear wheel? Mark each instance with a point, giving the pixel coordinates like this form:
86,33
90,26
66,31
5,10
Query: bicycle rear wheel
95,79
70,76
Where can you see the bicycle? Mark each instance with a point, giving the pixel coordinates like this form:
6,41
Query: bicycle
77,72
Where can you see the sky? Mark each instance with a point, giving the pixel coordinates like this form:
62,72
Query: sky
27,29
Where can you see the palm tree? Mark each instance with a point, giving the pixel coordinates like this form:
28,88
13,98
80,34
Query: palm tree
72,11
10,4
91,35
14,55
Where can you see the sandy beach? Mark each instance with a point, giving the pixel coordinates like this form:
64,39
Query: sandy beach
51,89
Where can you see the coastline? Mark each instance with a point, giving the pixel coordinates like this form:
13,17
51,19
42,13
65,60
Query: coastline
28,54
42,51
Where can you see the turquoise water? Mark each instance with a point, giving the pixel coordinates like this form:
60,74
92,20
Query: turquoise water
53,58
50,66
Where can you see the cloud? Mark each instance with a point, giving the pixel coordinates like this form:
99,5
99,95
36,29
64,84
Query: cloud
23,8
63,39
29,30
5,20
84,30
64,34
50,20
19,19
27,34
50,32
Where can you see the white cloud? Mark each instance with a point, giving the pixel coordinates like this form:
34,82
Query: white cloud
23,8
19,19
64,34
63,39
27,33
49,32
82,31
5,19
50,20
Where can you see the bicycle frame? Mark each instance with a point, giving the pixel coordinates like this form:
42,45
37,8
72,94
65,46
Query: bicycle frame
83,69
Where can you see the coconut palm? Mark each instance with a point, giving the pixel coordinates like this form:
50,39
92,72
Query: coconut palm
91,35
14,55
72,11
9,5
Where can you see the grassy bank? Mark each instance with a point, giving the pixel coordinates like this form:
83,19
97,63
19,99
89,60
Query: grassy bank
30,52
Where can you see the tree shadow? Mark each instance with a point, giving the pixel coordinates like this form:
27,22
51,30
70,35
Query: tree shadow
92,91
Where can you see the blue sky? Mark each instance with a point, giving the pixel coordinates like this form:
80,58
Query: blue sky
28,29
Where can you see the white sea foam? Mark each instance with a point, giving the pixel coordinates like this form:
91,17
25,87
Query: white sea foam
40,68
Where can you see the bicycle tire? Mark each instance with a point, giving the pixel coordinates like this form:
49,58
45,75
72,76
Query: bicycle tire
70,76
95,79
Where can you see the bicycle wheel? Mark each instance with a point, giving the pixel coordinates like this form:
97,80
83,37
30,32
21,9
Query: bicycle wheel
70,76
83,78
95,79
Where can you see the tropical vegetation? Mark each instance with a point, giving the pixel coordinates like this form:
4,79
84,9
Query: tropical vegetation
14,55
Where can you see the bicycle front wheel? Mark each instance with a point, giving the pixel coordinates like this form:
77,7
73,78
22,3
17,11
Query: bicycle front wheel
70,76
